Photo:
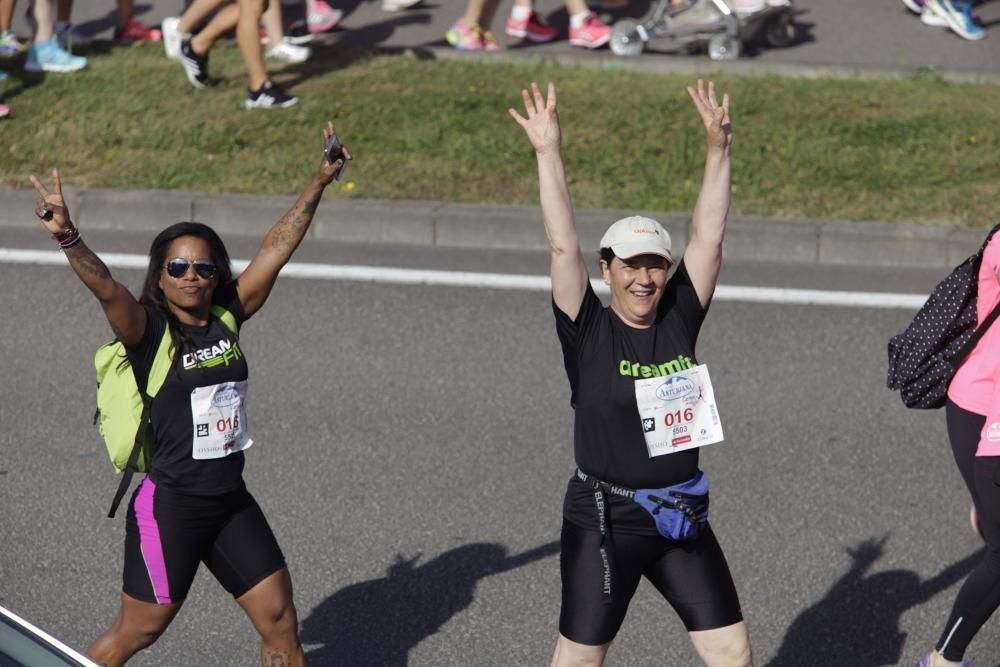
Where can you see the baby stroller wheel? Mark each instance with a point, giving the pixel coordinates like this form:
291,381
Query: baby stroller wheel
627,38
780,31
723,47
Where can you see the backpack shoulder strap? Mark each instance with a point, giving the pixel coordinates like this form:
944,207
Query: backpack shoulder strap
226,317
162,362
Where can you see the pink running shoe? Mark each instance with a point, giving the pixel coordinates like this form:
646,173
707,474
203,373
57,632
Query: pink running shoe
137,32
4,110
323,17
593,34
534,28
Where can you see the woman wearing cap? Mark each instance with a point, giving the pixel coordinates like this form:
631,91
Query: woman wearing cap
637,505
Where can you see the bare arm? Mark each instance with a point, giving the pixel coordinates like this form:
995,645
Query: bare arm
568,269
126,317
255,283
703,256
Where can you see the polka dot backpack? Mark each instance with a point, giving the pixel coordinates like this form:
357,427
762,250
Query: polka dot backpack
924,357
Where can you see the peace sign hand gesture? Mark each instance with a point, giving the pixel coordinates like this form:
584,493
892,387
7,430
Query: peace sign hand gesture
542,123
715,117
51,207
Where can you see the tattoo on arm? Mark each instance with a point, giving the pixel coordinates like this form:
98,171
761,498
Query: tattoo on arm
86,262
292,227
276,658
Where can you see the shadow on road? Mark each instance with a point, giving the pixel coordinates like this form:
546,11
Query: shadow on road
376,623
857,622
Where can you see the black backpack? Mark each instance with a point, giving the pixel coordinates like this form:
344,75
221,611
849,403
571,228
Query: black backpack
924,357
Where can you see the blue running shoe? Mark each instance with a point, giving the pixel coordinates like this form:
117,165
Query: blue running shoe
50,56
925,660
958,15
3,75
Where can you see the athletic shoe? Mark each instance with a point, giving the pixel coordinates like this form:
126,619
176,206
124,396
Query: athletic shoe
68,34
269,96
3,75
490,42
136,32
399,5
925,661
593,34
915,6
322,17
288,52
465,37
50,56
927,17
298,33
534,28
959,17
4,110
172,36
195,66
9,44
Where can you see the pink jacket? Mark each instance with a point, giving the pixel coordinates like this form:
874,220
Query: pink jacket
976,385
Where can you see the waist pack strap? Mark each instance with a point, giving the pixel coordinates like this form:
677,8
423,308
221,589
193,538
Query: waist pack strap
607,545
133,458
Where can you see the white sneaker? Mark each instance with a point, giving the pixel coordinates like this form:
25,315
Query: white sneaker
927,17
398,5
172,36
288,52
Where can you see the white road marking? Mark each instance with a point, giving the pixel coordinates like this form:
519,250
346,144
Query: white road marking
398,276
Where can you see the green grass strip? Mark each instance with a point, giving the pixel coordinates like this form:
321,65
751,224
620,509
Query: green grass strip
920,150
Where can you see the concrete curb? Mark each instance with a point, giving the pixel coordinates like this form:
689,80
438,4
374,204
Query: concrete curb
604,60
460,225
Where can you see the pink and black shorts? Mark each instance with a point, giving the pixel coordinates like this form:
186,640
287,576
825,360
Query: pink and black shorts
167,534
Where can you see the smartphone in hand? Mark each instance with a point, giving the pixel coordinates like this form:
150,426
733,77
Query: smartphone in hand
333,151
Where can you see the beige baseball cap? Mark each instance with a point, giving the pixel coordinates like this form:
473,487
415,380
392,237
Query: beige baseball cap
637,235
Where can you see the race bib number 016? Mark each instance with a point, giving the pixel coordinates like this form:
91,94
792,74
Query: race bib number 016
219,416
678,412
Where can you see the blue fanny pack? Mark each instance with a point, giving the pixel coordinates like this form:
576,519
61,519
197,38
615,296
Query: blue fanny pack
679,511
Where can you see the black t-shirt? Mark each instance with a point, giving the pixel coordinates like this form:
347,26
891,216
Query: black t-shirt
217,357
604,357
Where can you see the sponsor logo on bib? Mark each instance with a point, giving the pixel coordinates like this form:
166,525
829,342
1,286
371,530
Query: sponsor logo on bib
226,397
676,386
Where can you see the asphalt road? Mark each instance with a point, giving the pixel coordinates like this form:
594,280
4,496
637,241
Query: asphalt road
845,33
413,444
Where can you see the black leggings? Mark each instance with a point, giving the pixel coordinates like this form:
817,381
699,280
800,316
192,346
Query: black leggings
693,577
979,596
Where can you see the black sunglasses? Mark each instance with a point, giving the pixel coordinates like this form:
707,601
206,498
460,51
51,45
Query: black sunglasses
178,267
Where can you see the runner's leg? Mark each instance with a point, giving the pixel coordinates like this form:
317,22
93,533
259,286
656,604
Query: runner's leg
138,625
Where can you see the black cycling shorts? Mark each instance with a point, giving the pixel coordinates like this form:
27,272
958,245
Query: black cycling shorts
693,576
167,534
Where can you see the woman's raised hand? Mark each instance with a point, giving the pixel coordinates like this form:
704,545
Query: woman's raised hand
51,207
715,116
542,123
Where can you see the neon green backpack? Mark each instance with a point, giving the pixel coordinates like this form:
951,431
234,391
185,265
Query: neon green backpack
123,407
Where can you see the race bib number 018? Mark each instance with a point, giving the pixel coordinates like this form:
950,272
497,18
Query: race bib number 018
219,416
678,412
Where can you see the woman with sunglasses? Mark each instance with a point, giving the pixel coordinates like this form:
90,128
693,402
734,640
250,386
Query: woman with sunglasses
193,505
615,356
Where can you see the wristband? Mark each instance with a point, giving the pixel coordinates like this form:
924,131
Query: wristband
67,234
72,242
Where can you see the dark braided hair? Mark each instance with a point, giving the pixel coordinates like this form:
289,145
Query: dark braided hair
152,295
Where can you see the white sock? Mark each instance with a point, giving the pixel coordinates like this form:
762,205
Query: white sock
576,21
520,12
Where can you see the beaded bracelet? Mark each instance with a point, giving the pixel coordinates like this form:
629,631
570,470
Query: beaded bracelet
67,234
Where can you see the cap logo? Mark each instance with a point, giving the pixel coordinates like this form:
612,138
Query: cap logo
645,231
